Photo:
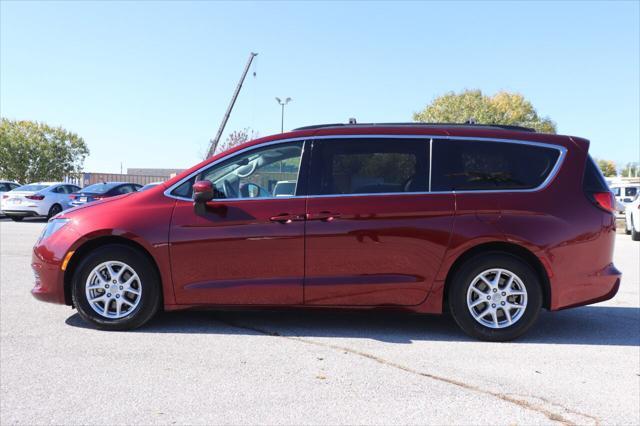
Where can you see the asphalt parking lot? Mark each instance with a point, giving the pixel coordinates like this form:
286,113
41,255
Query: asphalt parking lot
578,366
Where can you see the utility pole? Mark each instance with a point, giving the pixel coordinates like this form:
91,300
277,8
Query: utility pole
286,101
214,141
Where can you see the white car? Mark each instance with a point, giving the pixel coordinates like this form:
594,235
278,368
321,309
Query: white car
45,199
632,220
6,186
625,194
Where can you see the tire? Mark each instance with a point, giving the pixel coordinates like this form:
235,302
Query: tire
485,328
16,218
135,310
627,230
54,210
635,235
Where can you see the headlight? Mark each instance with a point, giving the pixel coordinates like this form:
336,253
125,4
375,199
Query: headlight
52,227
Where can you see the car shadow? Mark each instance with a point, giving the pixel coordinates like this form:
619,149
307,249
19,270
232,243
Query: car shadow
26,219
590,325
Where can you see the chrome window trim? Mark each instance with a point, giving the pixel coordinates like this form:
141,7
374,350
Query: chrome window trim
552,174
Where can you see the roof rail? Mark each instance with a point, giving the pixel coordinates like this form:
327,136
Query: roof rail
419,124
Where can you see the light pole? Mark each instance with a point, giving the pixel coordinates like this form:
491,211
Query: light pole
286,101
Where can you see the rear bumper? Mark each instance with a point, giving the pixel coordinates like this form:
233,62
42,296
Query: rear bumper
597,288
22,213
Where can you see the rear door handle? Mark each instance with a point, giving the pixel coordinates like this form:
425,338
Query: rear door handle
325,216
286,218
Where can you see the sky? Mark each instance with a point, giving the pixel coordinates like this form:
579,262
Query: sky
146,84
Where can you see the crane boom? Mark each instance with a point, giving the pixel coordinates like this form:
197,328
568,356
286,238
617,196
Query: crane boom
214,141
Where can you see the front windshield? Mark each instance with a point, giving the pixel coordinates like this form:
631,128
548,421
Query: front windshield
99,188
32,187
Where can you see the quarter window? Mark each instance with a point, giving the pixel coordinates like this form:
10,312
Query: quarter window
467,165
369,166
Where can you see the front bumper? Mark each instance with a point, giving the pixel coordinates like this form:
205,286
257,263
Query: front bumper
49,281
46,261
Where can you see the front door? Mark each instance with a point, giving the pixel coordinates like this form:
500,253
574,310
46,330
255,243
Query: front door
247,245
374,234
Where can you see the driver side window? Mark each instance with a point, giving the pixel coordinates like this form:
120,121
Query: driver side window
266,172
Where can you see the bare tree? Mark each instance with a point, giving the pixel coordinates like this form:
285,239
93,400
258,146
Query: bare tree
237,137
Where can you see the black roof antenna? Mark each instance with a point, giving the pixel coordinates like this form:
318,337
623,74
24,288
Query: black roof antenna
352,120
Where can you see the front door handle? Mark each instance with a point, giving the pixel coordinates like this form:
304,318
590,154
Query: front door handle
325,216
286,218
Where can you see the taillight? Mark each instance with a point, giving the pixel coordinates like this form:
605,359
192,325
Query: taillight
35,197
73,197
605,201
5,196
98,197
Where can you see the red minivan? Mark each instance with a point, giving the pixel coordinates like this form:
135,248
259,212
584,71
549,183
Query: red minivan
490,223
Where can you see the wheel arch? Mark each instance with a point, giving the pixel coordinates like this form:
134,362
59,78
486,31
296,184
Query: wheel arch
93,244
515,250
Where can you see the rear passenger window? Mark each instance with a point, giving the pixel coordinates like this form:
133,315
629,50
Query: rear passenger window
369,166
480,165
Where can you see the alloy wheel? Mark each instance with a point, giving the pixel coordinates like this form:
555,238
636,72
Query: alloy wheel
497,298
113,289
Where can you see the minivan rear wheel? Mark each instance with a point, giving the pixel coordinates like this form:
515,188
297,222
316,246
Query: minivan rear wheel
495,297
115,287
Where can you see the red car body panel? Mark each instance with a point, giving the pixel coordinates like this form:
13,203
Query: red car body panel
380,251
377,250
234,254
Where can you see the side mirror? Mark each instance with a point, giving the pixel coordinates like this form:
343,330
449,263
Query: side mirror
202,191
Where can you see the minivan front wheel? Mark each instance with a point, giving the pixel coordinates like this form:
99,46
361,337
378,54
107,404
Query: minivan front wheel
116,287
495,297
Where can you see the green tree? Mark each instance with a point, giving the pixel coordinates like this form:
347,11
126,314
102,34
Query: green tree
631,170
501,108
607,167
31,151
